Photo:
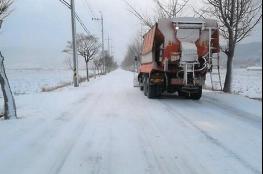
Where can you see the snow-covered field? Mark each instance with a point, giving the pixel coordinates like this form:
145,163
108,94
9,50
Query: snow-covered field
108,126
245,82
26,81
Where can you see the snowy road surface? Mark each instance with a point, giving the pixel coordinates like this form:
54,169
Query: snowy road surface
109,127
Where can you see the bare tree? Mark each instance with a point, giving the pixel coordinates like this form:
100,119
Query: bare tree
5,8
171,8
111,64
68,62
237,19
9,101
164,9
98,63
94,70
134,50
87,47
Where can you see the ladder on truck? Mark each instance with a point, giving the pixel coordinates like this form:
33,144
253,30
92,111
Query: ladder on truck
214,69
214,73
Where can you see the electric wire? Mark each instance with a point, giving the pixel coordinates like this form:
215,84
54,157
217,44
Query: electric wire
76,16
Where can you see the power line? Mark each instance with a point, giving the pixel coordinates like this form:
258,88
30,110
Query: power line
65,3
92,14
76,16
82,24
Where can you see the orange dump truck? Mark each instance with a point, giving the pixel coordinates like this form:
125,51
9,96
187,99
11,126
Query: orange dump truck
176,56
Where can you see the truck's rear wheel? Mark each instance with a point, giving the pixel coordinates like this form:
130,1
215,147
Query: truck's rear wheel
154,91
145,86
151,91
197,95
141,84
181,94
158,91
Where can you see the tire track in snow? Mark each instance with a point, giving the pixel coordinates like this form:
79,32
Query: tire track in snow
154,146
78,130
39,126
149,152
41,140
241,115
215,141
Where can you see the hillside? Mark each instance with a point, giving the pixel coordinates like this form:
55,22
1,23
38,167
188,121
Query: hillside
248,54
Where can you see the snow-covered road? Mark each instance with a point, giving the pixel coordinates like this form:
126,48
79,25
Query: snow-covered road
109,127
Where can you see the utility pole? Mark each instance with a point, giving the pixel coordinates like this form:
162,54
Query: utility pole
109,47
102,33
112,52
102,39
75,56
109,51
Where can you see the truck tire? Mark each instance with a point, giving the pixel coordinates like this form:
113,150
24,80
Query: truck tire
181,94
198,95
154,91
158,91
141,84
151,91
145,86
141,87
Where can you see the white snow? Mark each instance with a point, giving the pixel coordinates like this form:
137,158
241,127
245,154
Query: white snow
108,126
190,20
254,68
26,81
246,83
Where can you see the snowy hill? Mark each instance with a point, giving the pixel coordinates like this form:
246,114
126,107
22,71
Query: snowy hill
248,54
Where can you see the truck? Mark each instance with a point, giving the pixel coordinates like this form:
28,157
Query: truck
176,56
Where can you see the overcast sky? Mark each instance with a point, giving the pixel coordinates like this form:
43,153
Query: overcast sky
36,32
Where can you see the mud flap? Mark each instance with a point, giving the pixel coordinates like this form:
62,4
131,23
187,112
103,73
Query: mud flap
135,81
